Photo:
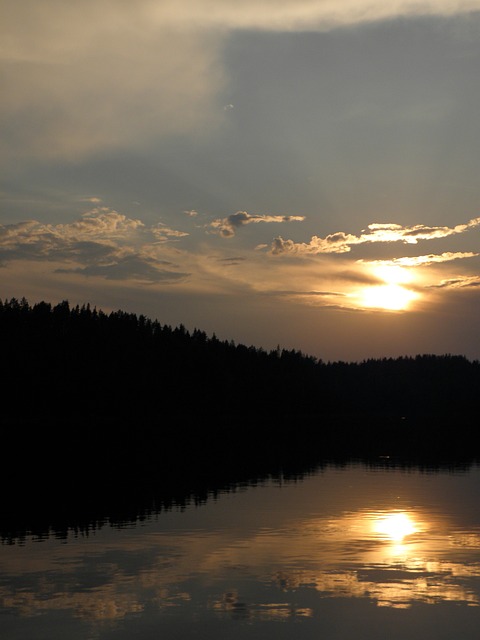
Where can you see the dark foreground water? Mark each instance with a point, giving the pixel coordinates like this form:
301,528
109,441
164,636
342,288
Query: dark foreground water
346,552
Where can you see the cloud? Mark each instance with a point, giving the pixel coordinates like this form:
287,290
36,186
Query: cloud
78,78
342,242
162,233
421,261
129,268
288,15
91,200
459,282
87,77
335,243
226,227
103,241
327,298
102,224
233,261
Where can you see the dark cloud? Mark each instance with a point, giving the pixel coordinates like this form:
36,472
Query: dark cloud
226,227
314,294
232,261
462,282
130,268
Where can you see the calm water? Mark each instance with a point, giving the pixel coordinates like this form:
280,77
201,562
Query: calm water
349,552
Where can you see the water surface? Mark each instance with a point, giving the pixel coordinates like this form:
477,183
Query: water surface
350,551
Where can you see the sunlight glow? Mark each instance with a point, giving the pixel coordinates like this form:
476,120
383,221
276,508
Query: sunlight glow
392,295
393,274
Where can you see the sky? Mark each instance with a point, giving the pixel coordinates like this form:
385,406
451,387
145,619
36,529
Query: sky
300,174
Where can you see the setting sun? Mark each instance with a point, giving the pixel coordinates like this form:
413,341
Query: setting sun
389,296
392,295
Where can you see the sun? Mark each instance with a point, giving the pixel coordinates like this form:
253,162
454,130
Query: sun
391,296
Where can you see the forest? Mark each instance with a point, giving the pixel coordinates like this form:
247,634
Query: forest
99,404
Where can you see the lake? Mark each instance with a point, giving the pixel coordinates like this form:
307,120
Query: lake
346,551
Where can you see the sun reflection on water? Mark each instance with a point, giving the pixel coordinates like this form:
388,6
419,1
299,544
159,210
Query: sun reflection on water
394,526
395,557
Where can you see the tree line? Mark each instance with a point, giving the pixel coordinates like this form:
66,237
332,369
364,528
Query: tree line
84,361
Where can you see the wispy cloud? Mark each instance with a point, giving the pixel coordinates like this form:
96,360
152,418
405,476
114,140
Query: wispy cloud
134,267
342,242
422,261
457,283
227,227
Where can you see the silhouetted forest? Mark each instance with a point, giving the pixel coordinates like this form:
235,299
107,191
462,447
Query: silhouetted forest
96,406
